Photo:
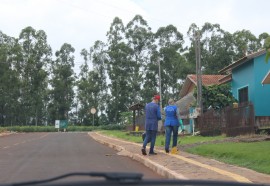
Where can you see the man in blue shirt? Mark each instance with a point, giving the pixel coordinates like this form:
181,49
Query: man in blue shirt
152,115
171,124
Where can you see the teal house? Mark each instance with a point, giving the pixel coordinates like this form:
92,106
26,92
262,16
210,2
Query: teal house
249,78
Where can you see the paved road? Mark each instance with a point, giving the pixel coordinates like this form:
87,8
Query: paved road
35,156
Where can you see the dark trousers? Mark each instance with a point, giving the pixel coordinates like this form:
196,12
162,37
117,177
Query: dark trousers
169,130
152,135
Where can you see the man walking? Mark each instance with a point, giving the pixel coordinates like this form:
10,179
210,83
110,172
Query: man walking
152,115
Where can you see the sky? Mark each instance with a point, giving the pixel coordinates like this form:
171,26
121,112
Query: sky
82,22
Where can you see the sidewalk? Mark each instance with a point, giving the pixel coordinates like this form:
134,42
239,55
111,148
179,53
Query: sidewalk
182,165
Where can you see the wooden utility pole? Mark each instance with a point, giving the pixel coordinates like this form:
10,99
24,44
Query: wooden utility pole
159,78
198,70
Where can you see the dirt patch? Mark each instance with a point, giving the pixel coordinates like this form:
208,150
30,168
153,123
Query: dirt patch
5,133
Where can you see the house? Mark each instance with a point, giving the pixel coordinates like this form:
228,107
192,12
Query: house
186,93
188,101
249,78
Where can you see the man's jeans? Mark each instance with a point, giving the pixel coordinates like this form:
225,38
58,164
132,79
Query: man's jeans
169,130
152,135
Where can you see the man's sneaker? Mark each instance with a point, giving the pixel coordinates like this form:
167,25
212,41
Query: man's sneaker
152,153
167,150
144,152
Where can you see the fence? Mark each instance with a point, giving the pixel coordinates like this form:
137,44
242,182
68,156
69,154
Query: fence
230,121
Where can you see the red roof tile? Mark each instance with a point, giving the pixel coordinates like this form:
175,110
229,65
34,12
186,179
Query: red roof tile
206,79
191,81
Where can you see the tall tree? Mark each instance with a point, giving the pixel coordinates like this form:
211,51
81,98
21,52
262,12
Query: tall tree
245,43
9,80
118,68
36,57
99,58
62,83
169,48
92,86
217,48
140,40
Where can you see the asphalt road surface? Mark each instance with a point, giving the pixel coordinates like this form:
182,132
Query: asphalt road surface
36,156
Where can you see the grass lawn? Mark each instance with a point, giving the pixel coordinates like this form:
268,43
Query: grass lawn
160,141
253,155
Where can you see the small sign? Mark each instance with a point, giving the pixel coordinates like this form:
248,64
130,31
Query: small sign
93,110
57,124
63,124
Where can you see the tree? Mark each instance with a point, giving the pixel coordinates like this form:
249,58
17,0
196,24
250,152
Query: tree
98,54
9,80
245,43
217,49
118,67
140,40
216,96
267,48
36,55
62,83
92,86
169,48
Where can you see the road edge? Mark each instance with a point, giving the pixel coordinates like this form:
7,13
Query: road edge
161,170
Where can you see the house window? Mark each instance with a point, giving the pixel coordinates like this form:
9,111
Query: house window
243,95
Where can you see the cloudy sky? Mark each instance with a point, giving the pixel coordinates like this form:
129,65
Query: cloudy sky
82,22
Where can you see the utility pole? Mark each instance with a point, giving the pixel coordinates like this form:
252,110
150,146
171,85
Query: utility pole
159,78
198,70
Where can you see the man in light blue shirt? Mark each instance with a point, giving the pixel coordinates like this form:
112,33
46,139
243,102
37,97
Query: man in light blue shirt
172,122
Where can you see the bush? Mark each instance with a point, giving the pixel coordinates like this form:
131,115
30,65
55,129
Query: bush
3,129
71,128
32,129
112,127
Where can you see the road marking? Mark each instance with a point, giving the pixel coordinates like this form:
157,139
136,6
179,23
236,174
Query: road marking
220,171
44,136
25,141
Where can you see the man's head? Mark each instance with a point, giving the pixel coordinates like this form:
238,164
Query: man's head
156,98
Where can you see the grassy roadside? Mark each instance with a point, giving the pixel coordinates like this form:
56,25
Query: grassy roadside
253,155
160,141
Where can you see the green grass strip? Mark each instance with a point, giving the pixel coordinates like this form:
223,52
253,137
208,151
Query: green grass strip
253,155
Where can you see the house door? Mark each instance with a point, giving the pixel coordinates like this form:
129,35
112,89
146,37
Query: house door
243,95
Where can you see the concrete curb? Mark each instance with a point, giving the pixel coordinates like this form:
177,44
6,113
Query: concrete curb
161,170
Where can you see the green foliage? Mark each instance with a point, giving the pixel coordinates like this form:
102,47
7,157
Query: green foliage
112,127
216,96
31,129
62,83
126,117
70,128
245,43
267,48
